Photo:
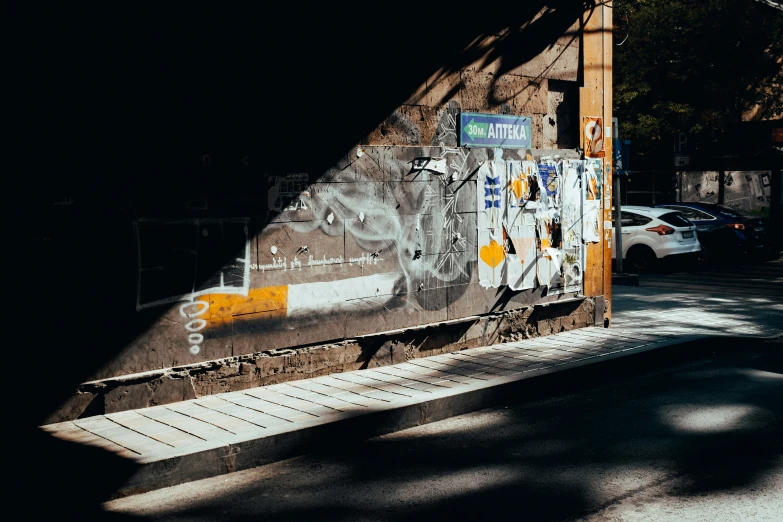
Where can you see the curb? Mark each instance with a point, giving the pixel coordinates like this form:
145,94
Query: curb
625,279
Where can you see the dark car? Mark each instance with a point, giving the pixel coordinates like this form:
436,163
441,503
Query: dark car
726,233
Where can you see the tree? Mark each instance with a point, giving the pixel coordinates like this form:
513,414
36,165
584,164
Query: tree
694,67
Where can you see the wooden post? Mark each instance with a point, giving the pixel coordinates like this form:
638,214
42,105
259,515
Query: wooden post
595,99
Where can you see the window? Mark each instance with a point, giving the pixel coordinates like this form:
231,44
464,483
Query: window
688,213
675,219
629,219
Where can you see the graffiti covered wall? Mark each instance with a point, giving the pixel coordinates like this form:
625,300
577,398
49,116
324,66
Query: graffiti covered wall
392,237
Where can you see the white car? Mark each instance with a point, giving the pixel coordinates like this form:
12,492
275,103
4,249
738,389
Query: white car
651,234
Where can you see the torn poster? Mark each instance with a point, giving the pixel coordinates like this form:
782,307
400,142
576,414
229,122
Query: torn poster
519,173
548,268
523,240
592,233
571,223
549,184
700,186
549,257
521,179
572,271
549,228
492,256
572,204
514,272
492,179
594,138
593,179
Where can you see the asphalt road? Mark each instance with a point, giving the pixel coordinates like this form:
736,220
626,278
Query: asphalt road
738,278
693,435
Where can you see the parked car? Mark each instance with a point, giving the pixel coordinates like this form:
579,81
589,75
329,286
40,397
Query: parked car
650,234
725,233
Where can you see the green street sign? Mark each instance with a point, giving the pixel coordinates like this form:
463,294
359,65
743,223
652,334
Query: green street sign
476,130
494,130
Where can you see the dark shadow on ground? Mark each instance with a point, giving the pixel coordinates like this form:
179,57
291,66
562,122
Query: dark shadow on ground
556,449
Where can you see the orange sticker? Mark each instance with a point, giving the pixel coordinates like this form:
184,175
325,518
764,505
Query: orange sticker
492,254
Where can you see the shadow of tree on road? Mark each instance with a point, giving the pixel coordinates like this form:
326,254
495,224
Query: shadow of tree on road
562,448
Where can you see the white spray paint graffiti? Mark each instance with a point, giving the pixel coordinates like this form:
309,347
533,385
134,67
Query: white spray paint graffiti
410,214
416,223
195,325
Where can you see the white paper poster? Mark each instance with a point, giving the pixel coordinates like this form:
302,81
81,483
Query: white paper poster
593,179
514,272
523,240
572,204
548,268
591,220
490,194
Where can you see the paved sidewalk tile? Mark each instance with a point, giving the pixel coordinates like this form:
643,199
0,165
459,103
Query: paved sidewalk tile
188,424
220,420
419,369
349,397
434,381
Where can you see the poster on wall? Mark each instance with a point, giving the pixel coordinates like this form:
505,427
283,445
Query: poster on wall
549,184
530,222
521,180
593,185
572,271
699,186
593,189
490,194
591,217
748,190
571,223
550,257
523,241
572,204
492,257
548,270
594,139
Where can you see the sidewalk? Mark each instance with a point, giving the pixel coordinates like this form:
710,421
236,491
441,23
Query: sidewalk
228,432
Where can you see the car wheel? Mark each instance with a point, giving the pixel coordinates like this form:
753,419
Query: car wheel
641,258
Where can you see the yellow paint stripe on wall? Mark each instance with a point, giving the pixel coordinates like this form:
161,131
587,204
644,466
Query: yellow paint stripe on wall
269,300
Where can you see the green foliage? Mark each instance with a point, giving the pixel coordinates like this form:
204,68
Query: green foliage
695,67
